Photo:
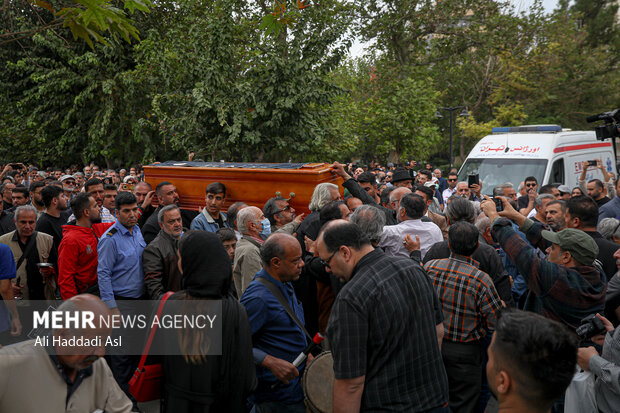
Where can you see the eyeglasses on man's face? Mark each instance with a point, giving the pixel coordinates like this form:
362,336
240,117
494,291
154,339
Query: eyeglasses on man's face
326,263
286,208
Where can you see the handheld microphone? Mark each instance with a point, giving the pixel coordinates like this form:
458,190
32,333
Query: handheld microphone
316,340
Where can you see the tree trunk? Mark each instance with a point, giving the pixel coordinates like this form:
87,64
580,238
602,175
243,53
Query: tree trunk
394,156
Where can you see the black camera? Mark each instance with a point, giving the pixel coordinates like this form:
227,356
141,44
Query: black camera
611,128
590,326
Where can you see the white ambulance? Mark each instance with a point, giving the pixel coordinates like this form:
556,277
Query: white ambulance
548,152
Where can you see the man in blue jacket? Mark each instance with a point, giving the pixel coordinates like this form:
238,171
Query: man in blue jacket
212,218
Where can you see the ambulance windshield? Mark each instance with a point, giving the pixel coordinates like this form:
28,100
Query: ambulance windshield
495,171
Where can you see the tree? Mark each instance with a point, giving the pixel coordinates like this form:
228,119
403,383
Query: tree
72,104
558,78
473,130
599,18
384,113
225,90
87,19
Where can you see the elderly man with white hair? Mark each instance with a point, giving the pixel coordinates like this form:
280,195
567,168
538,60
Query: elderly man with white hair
247,255
322,195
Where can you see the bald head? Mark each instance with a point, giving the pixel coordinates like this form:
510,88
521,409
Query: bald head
396,195
86,302
80,357
353,203
281,257
341,244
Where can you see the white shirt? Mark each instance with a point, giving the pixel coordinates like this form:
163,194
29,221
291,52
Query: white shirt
393,235
447,193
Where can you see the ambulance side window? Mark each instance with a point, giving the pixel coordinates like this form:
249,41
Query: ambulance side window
557,172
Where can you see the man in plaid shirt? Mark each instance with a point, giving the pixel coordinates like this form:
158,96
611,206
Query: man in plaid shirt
470,306
384,330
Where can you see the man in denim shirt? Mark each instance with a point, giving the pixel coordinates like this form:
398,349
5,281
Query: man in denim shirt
277,339
212,218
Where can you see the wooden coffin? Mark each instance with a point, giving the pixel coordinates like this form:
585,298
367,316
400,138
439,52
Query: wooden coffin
251,183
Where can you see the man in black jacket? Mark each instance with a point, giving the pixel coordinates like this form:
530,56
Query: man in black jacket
159,259
7,223
366,193
166,195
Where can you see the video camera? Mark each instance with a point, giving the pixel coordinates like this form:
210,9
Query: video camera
611,128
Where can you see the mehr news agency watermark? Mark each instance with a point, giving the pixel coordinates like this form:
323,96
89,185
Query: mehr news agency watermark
127,330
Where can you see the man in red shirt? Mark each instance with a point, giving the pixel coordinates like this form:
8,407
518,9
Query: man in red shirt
77,253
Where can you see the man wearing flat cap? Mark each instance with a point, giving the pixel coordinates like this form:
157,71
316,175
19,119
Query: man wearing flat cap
566,286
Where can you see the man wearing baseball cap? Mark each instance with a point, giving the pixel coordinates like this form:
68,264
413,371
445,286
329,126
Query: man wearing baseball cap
566,286
565,192
68,185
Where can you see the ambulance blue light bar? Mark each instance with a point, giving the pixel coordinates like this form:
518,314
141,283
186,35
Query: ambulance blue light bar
515,129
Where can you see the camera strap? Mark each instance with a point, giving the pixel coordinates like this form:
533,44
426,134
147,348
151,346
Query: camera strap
275,291
29,246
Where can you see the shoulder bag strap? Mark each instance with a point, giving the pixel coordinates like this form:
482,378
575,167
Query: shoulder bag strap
149,341
29,246
283,302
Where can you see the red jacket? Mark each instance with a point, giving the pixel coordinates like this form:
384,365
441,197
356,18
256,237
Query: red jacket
77,258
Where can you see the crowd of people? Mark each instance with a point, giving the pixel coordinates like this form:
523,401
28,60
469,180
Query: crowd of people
432,296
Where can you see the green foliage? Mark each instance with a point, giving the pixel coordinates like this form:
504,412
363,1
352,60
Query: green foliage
560,78
224,90
600,20
505,115
87,19
383,114
263,81
70,105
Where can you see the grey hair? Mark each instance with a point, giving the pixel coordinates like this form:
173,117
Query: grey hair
245,216
521,185
460,209
483,224
321,196
24,208
162,212
371,221
539,199
608,228
499,189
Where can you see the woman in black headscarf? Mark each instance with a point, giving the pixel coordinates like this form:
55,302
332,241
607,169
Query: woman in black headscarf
195,382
